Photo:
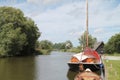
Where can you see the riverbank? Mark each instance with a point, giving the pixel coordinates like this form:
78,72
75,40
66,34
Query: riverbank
112,69
73,50
114,54
43,51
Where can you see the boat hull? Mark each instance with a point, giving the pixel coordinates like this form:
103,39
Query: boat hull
93,67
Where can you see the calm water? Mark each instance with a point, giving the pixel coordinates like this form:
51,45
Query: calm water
43,67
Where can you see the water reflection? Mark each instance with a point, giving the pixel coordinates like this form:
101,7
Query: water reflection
71,74
97,75
17,68
52,67
42,67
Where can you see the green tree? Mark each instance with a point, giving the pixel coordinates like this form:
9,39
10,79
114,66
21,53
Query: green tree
91,40
68,44
113,44
63,45
57,46
18,34
45,44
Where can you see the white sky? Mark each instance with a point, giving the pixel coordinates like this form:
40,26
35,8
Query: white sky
61,20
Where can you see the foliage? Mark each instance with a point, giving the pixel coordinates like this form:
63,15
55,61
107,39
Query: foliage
45,44
18,34
113,44
59,46
91,40
63,45
68,44
44,47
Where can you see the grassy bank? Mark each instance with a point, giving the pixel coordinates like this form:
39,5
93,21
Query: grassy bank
114,54
112,69
43,51
74,50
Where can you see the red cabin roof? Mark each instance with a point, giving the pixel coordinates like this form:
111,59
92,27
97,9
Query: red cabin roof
91,52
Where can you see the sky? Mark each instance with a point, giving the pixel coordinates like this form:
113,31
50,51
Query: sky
62,20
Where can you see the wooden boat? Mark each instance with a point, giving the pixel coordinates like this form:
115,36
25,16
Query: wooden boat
89,58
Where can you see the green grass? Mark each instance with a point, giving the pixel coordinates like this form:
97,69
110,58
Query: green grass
114,54
112,69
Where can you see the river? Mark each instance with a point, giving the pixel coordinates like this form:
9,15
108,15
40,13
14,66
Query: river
42,67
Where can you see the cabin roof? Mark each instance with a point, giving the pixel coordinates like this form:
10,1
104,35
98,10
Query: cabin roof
97,45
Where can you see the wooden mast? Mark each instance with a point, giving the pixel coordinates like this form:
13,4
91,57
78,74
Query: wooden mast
87,23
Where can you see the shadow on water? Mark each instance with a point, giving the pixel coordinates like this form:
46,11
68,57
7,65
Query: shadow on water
17,68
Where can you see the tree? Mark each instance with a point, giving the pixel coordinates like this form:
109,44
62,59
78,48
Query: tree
18,34
63,45
68,44
59,46
91,42
45,44
113,44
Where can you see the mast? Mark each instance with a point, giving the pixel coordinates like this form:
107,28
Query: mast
87,23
